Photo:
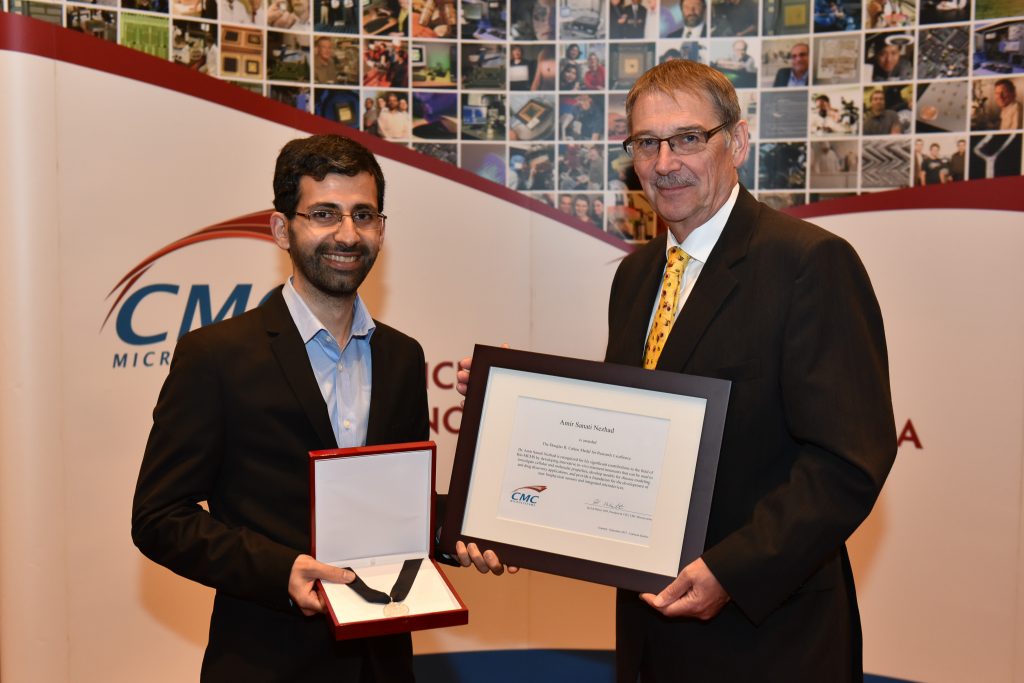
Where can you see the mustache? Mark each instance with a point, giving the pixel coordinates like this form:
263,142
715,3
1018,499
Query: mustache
675,179
356,249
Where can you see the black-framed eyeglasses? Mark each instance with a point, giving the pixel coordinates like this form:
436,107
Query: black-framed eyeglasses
366,220
687,142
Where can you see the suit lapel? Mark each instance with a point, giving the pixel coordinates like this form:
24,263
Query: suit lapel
713,287
379,378
287,347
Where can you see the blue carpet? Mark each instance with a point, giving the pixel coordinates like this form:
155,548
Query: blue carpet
532,666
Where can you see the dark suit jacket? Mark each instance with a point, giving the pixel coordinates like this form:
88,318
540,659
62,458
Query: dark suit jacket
236,418
785,311
782,77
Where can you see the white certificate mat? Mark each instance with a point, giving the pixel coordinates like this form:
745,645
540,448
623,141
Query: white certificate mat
595,471
598,469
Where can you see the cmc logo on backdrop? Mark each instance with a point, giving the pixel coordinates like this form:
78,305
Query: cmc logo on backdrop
528,495
149,319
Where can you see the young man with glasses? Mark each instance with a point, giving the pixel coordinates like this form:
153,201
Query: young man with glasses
244,403
784,310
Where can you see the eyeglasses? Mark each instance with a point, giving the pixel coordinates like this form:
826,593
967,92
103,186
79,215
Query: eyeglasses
688,142
365,220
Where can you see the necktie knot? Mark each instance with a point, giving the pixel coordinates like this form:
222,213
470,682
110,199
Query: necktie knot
665,314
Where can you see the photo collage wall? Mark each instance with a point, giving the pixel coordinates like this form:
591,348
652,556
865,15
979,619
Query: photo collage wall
842,96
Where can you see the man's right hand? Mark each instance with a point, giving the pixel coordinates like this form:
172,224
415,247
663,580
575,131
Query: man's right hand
302,580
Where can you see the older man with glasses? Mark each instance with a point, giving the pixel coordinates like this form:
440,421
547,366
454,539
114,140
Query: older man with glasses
794,75
783,310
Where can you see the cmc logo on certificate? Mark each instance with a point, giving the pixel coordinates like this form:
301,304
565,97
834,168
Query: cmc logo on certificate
528,495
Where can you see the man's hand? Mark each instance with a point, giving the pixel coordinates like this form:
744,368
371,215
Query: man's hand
305,571
487,561
695,593
462,376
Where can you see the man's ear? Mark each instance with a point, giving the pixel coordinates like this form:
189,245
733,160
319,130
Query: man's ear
279,230
740,143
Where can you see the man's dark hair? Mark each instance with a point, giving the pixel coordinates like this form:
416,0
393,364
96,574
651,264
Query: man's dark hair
317,156
1008,84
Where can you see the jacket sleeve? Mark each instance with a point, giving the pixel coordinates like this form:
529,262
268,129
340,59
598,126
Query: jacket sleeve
834,388
180,469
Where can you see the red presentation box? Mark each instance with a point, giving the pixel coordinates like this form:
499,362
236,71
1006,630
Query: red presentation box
372,509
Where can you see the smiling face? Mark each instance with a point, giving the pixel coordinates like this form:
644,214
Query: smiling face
877,102
329,263
888,58
686,191
799,59
693,12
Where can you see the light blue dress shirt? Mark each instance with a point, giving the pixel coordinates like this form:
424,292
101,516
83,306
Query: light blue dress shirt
343,371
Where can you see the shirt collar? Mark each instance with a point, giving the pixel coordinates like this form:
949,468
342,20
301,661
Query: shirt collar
309,325
699,243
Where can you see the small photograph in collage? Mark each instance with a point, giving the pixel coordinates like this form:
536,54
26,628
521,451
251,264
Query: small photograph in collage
627,62
336,60
786,17
782,166
581,167
483,67
783,114
887,110
580,206
146,5
734,18
532,67
835,112
336,16
245,12
621,174
434,18
994,9
484,117
95,22
936,163
386,17
293,96
631,19
532,116
995,155
630,217
531,167
836,15
339,105
486,160
582,68
834,164
483,19
582,20
941,107
998,49
385,64
883,14
194,45
198,9
617,130
885,164
448,153
944,11
996,103
389,117
145,33
942,52
241,52
291,15
693,50
780,201
43,11
889,57
748,110
435,116
738,59
686,19
837,60
785,63
434,65
532,19
287,57
581,117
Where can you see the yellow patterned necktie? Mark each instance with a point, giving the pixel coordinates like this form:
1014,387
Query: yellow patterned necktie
666,313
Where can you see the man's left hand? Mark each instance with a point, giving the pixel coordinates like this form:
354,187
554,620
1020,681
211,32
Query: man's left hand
486,561
695,593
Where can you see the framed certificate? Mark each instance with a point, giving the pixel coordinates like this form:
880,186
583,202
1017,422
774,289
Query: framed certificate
594,471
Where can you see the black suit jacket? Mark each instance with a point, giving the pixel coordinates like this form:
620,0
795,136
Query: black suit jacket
785,311
236,418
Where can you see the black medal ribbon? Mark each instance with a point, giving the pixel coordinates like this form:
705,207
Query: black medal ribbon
403,584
